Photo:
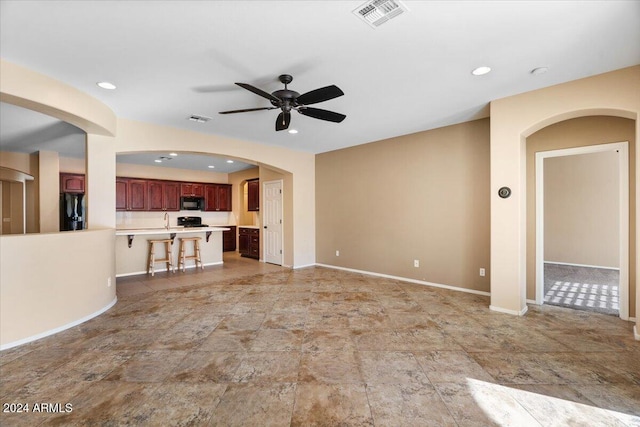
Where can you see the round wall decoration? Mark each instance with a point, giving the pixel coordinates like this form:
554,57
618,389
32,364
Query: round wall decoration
504,192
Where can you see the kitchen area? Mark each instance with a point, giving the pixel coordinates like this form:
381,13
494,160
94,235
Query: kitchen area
156,203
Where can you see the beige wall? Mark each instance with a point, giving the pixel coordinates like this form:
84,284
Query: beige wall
515,118
155,172
582,209
12,207
50,281
49,191
73,165
415,197
238,181
577,132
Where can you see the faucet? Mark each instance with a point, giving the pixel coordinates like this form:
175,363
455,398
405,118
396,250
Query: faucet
166,220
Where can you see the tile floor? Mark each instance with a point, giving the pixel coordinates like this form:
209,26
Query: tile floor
582,288
251,344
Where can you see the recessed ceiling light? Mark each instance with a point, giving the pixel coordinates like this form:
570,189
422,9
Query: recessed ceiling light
173,154
293,131
211,166
158,161
229,161
480,71
540,70
106,85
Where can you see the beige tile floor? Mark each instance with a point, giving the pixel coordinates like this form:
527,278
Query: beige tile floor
251,344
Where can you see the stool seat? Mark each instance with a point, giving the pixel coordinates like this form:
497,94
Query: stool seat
168,259
182,257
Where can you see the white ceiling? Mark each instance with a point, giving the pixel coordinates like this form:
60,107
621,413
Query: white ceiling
171,59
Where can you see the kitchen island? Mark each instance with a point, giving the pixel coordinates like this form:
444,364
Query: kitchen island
132,248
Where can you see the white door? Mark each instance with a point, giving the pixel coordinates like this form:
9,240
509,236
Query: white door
272,221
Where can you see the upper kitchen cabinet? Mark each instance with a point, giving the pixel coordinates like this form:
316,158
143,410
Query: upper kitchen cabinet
122,194
253,195
163,196
191,189
133,192
217,197
71,183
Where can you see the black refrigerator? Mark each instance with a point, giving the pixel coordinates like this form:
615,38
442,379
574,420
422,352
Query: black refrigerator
71,211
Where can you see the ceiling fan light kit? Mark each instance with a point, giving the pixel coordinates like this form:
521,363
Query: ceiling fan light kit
287,100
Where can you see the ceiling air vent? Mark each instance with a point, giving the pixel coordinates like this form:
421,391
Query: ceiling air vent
377,12
199,119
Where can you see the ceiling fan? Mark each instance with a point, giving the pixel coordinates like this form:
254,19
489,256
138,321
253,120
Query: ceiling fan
287,100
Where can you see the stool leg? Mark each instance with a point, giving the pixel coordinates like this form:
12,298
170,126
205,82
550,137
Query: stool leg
167,246
151,259
181,255
198,259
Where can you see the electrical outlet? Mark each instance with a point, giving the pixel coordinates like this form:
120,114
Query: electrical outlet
337,253
416,263
108,282
482,272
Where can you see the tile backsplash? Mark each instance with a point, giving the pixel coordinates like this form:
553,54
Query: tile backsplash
128,219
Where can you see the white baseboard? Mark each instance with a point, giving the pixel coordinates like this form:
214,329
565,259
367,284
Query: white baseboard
636,335
405,279
59,329
581,265
532,301
297,267
507,311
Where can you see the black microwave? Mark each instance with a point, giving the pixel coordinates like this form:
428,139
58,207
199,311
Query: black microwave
191,203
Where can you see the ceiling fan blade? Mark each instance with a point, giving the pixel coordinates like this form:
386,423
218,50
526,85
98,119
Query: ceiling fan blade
317,113
247,109
323,94
259,92
283,120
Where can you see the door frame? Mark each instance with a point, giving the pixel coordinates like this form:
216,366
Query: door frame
623,170
264,243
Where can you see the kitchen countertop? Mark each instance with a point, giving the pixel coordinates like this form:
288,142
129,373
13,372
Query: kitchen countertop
249,226
171,230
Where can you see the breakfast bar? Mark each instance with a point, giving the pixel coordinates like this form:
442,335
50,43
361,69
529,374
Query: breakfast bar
132,247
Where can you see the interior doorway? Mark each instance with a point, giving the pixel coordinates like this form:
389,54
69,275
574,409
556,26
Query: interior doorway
272,222
575,269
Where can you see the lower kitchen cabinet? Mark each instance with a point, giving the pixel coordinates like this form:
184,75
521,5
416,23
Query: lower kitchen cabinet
249,242
229,239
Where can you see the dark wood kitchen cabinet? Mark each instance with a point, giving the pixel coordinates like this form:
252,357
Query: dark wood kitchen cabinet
229,239
71,183
191,189
249,242
122,194
253,195
131,194
163,196
137,195
217,197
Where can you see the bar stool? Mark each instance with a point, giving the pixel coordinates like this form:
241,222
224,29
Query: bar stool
196,252
152,256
